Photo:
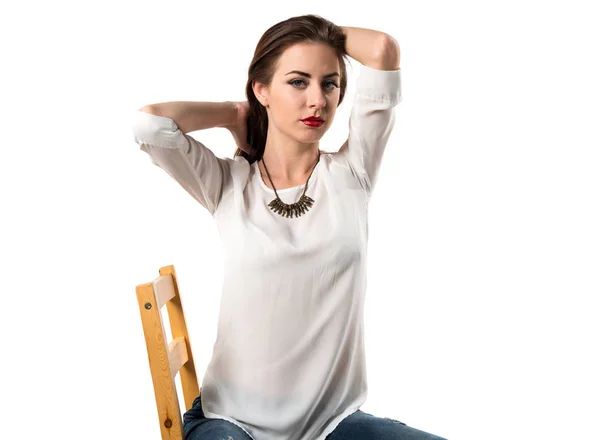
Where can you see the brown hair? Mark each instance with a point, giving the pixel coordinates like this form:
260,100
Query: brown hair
305,28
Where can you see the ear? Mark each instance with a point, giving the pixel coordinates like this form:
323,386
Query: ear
261,92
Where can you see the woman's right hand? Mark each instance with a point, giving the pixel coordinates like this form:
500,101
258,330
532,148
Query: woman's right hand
239,131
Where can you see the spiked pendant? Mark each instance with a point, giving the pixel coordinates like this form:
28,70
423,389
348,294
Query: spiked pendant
293,210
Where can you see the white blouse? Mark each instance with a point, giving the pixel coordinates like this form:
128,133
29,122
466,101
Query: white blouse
288,362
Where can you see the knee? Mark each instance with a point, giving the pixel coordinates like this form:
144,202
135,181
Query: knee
395,421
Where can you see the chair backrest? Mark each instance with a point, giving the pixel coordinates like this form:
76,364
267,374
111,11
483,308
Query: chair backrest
167,359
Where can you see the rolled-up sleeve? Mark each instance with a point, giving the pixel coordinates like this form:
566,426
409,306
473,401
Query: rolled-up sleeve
193,165
372,119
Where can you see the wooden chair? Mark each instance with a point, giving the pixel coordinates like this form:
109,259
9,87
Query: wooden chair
167,359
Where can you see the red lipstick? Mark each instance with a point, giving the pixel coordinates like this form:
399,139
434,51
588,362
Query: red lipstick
313,121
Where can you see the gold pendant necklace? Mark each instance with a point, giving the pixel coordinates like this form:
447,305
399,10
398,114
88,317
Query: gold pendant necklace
295,209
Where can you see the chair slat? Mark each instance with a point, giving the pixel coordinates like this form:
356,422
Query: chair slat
177,355
164,289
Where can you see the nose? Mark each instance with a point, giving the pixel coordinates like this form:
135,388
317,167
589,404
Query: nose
316,98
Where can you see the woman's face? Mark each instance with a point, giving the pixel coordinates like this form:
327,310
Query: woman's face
306,83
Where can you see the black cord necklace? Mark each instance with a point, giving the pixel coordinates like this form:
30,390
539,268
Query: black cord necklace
295,209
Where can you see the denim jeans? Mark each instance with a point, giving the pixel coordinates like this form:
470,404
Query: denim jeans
357,426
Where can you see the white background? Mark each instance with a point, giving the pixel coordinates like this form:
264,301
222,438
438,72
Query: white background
484,261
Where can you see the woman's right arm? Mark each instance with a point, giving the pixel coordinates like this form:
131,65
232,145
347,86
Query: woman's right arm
192,115
159,129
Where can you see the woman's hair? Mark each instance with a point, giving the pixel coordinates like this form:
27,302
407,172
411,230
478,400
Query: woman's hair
302,29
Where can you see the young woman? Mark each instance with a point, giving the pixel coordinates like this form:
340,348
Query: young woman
288,362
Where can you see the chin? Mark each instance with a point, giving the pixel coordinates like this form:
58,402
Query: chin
315,132
311,138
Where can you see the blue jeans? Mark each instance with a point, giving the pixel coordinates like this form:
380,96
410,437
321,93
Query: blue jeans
357,426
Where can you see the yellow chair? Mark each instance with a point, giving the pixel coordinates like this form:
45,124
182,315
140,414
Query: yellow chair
167,359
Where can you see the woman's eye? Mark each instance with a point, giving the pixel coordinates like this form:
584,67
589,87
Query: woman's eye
328,83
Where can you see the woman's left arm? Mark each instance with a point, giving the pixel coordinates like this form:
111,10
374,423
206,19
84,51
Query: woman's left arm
378,91
372,48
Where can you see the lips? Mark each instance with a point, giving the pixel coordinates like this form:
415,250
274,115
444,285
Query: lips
313,121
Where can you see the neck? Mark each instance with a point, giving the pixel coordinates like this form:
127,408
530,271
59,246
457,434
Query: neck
290,165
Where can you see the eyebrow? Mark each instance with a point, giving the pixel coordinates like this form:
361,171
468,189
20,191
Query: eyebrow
309,76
